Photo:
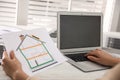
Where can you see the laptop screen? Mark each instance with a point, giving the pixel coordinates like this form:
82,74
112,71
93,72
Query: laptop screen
79,31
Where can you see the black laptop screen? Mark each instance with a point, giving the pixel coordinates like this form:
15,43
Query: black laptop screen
78,31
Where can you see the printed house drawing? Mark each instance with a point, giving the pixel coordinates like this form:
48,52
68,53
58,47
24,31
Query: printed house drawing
35,52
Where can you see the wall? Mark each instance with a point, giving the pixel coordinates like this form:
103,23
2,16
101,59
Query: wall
118,27
115,25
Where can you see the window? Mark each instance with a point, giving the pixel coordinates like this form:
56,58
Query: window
43,13
88,5
7,12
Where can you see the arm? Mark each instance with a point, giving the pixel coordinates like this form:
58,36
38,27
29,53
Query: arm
12,67
112,74
102,57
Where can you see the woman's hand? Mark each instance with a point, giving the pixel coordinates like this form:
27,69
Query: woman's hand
13,67
102,57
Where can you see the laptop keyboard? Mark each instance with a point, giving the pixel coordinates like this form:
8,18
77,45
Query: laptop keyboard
77,57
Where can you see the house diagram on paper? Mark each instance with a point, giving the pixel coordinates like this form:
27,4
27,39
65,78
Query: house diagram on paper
35,52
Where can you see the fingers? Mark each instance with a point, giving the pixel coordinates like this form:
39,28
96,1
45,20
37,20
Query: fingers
93,53
6,58
5,61
12,55
5,55
92,58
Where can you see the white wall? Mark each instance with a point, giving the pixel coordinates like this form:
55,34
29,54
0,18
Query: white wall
118,26
108,15
115,19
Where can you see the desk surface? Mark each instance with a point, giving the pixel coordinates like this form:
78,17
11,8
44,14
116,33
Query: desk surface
64,71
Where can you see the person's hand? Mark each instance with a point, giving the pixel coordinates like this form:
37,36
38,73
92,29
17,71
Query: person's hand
102,57
12,67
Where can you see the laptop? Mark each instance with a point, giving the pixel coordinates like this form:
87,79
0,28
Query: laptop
79,33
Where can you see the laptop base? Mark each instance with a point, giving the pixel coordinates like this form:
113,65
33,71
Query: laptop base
87,66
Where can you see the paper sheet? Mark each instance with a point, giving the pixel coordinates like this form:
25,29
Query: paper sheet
4,30
34,49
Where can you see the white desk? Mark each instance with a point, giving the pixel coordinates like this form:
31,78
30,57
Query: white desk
64,71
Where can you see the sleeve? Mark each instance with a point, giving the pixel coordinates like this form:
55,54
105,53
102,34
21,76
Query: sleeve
112,74
32,78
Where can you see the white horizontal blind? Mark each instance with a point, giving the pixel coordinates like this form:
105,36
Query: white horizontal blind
7,12
43,12
88,5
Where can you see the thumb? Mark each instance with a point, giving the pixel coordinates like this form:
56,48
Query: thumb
12,55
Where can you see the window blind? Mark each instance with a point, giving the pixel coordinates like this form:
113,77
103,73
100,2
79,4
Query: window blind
7,12
88,5
43,13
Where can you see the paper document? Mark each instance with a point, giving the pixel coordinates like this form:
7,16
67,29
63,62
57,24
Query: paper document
34,49
4,30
